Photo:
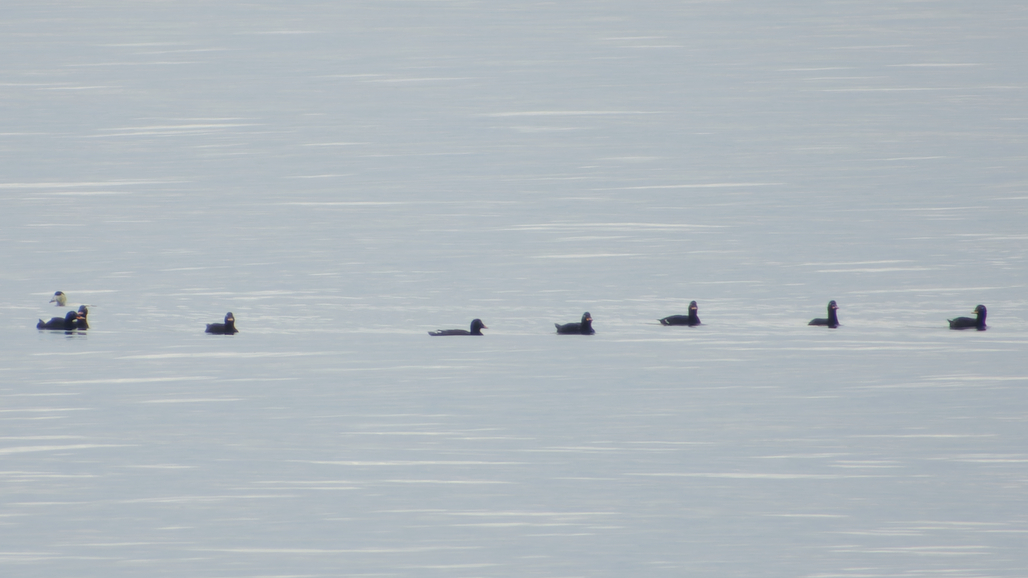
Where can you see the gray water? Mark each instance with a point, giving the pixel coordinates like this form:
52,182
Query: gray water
344,177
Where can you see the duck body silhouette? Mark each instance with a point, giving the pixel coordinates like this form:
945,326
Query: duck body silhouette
692,319
833,317
67,323
226,328
583,327
977,322
82,319
476,329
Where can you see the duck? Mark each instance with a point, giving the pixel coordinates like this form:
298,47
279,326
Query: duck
59,299
584,327
833,317
969,322
82,318
476,329
691,319
67,323
226,328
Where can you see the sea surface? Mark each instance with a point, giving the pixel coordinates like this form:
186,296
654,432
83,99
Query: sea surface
346,176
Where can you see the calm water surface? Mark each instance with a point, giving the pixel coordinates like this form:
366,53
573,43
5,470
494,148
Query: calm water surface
345,177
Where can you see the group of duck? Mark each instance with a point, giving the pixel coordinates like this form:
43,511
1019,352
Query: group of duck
585,326
70,322
77,320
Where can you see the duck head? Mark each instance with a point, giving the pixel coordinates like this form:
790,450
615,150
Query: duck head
981,313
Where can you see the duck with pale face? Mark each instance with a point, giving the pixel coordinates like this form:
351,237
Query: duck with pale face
59,299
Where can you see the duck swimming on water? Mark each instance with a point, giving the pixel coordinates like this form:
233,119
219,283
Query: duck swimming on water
68,323
476,329
691,319
226,328
59,299
584,327
82,320
833,317
969,322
